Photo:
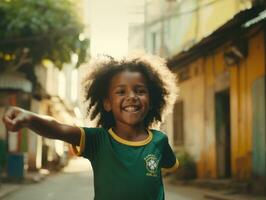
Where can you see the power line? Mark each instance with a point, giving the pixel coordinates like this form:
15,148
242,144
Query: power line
197,8
202,6
185,13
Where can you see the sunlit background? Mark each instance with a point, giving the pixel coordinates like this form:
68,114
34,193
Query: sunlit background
215,47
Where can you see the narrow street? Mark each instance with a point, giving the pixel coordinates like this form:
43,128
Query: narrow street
193,69
76,182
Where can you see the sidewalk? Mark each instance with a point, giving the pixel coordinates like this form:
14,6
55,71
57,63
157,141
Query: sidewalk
7,187
212,192
227,195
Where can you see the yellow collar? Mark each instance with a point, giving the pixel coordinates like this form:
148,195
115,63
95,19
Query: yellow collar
130,143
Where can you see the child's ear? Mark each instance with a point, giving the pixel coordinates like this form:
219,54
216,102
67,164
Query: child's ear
107,105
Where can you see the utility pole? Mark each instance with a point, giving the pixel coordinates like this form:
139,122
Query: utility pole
197,20
145,24
161,51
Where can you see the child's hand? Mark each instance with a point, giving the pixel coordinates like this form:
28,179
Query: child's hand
16,118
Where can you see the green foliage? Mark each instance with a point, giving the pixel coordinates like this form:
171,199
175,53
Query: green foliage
187,166
33,30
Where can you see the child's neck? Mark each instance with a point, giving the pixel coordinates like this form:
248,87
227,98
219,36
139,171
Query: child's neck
132,133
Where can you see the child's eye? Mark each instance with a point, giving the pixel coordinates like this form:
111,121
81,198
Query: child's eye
120,92
141,91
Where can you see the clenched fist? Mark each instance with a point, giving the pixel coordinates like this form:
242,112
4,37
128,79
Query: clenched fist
16,118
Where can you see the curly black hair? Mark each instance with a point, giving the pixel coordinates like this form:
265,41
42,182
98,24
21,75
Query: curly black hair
161,84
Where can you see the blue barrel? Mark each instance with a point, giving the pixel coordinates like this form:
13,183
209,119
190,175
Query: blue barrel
15,166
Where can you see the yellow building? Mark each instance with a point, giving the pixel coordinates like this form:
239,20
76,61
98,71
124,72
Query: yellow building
220,115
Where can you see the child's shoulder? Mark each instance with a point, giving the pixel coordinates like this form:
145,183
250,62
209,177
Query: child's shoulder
94,129
158,134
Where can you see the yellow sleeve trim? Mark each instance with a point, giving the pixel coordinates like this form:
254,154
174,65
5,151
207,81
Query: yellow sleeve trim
171,169
79,150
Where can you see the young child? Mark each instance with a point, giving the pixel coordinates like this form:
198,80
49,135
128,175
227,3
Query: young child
126,98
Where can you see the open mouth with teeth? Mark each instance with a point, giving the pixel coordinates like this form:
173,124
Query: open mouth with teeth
131,108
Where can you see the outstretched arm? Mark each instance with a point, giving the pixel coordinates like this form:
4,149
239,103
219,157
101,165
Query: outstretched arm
16,118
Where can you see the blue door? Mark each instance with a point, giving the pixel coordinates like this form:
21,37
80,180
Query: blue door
259,132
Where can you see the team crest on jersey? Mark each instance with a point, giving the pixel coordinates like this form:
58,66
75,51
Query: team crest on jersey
151,165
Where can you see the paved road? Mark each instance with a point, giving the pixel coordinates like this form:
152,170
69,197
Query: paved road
76,183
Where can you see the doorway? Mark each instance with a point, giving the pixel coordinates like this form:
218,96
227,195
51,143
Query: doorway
223,135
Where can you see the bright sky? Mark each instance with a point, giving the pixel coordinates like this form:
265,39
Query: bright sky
109,27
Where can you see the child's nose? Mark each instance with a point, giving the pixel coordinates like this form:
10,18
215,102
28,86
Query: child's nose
132,95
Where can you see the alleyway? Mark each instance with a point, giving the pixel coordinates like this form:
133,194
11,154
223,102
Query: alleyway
76,183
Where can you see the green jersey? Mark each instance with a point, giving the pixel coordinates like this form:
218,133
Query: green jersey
125,169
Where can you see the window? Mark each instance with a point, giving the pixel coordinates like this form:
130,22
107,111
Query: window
183,74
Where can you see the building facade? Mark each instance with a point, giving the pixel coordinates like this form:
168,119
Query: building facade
172,26
220,115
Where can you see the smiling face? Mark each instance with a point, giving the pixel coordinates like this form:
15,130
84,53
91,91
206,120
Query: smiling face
128,98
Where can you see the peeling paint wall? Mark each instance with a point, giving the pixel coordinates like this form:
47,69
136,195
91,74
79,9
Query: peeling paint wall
198,93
